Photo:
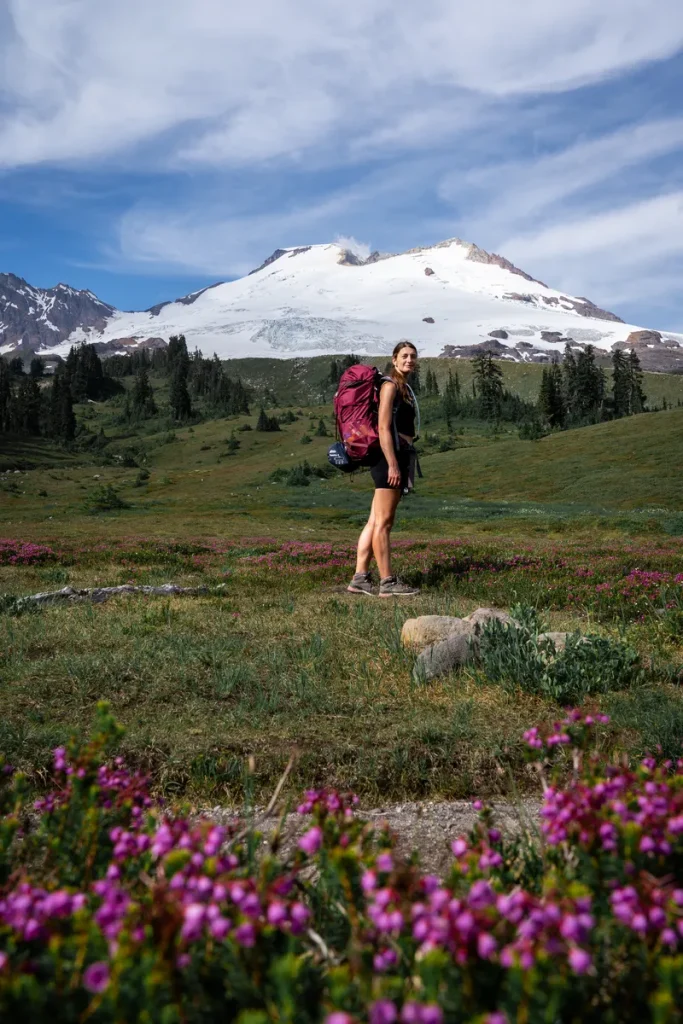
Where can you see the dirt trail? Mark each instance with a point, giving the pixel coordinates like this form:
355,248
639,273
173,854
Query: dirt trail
428,827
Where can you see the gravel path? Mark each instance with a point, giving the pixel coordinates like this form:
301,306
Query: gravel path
427,827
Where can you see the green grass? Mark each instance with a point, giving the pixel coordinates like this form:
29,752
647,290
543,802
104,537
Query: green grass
280,660
277,658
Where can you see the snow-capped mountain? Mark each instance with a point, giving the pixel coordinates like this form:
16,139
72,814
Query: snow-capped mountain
319,299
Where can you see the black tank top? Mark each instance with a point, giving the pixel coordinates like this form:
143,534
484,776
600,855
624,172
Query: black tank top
405,416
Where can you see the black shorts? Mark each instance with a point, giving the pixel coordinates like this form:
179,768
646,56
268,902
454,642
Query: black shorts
379,470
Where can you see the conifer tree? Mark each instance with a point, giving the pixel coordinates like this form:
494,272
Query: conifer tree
5,397
431,387
488,377
27,407
591,385
265,423
142,404
179,396
622,392
551,400
37,368
638,396
415,382
62,419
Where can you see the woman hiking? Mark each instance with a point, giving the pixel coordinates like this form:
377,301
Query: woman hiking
392,471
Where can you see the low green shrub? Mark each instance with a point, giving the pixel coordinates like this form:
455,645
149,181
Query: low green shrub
517,655
299,476
104,499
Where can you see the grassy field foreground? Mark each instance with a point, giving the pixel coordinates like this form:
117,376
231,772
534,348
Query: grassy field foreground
277,659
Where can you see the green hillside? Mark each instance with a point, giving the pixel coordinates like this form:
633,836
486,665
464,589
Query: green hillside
302,381
628,463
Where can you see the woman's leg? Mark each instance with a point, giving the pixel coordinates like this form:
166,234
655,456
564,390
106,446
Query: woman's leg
364,554
383,513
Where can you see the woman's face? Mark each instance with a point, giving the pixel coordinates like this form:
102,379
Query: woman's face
406,360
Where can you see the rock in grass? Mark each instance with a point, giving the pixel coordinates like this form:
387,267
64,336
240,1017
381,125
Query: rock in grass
481,616
438,659
430,629
559,640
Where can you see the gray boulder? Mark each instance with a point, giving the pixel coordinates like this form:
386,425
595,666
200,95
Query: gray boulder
431,629
481,616
559,640
440,658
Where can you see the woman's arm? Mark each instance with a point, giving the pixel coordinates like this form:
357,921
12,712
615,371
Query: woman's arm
386,435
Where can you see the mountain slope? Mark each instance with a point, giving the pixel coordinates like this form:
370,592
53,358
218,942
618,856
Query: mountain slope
33,318
320,299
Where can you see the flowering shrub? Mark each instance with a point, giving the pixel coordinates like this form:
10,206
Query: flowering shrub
623,581
19,552
112,909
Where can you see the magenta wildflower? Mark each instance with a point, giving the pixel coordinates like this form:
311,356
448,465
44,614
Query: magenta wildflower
96,977
311,841
579,960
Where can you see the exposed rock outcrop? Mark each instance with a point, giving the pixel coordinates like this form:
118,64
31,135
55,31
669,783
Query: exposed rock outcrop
477,255
33,318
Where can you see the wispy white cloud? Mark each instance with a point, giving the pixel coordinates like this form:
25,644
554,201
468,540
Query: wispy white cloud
204,91
239,83
628,252
514,193
361,249
212,236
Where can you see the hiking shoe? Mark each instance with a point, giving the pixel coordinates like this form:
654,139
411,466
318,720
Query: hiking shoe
393,587
361,584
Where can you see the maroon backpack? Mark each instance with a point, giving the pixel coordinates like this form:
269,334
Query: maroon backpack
356,406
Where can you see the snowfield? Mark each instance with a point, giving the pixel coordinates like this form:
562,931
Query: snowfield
320,299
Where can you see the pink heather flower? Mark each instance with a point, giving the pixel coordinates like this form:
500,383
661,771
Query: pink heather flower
486,945
368,881
382,1012
219,927
481,895
3,960
384,862
496,1018
459,847
431,1015
96,977
194,921
339,1017
246,934
579,960
32,929
277,913
311,841
299,915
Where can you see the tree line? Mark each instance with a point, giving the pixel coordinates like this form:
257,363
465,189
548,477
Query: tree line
28,407
32,405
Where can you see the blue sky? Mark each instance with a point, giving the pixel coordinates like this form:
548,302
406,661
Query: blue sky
149,148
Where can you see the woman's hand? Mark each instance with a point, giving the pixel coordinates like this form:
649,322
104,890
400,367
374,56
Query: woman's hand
394,475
